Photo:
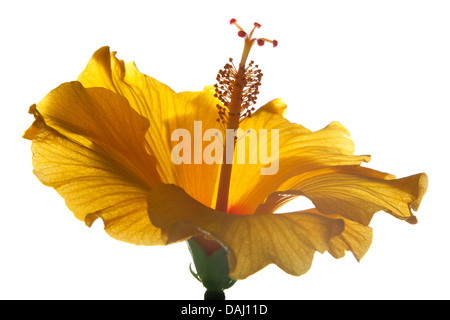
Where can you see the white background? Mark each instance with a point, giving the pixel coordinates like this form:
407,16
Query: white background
382,68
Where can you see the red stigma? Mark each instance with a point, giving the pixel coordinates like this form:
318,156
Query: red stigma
242,34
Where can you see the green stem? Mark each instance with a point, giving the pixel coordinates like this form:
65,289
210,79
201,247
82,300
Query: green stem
214,295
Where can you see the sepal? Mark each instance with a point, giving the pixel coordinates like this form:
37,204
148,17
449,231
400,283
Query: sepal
212,270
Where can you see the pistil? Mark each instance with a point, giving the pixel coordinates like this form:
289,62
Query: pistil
237,89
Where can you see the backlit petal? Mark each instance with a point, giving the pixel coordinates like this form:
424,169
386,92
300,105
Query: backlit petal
98,118
252,241
166,111
357,193
94,185
300,150
198,178
355,238
89,145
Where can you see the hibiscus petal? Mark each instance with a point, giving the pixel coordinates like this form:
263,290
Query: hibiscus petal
198,178
88,144
357,193
94,185
252,241
299,150
98,116
166,111
355,238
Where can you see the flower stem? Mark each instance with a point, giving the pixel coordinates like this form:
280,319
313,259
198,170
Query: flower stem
214,295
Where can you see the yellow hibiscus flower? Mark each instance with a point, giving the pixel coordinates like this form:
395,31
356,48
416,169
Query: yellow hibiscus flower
106,144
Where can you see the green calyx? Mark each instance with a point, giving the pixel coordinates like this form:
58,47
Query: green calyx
212,271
